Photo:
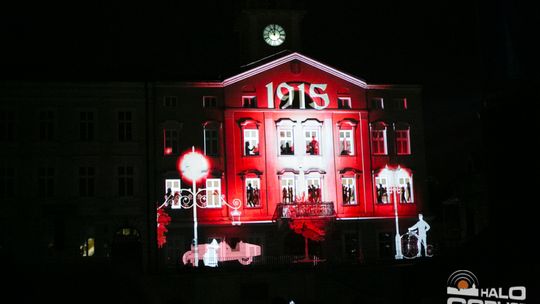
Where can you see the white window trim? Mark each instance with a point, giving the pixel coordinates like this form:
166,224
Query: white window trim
255,181
250,139
351,139
353,178
385,143
210,190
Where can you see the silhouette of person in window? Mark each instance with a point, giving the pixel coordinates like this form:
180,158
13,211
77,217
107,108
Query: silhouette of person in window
248,149
317,192
256,197
379,193
250,195
286,149
313,146
422,227
285,195
403,197
408,192
290,193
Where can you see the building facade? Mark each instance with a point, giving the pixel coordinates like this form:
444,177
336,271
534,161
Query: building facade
293,139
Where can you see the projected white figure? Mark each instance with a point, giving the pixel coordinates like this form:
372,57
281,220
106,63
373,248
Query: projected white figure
422,227
210,258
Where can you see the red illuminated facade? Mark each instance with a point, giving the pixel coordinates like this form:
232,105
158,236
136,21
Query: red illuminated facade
296,139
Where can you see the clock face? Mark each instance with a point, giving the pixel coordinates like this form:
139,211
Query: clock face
274,34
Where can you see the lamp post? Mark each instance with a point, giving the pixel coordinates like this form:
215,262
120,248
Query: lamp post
194,166
399,254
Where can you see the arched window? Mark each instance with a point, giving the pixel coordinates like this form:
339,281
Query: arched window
378,138
252,188
250,136
349,183
403,139
394,185
314,190
287,182
285,132
311,129
346,128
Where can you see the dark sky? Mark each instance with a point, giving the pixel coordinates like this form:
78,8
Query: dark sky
459,51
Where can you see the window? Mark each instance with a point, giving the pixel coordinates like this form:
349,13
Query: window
211,141
348,187
344,102
286,141
253,192
251,142
7,125
87,249
7,182
86,126
46,176
125,126
404,187
287,189
209,102
46,125
125,181
213,192
312,140
87,178
249,101
171,139
346,142
403,146
377,104
170,101
378,139
314,189
394,185
400,103
172,192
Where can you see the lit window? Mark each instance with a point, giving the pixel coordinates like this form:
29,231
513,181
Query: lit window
251,142
314,189
286,145
213,192
378,139
381,183
344,102
125,126
403,142
404,187
170,101
7,125
46,176
377,104
253,192
87,249
287,189
348,190
312,140
211,141
170,141
249,101
7,182
346,142
46,125
86,181
125,181
86,126
209,102
172,192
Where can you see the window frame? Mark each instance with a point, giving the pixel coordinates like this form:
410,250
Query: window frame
208,129
376,141
212,197
402,141
246,183
353,180
209,102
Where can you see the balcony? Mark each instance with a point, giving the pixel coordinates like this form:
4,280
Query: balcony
304,210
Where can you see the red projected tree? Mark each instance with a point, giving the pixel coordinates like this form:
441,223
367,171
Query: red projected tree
163,219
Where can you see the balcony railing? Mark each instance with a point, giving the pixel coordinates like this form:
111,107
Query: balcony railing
304,210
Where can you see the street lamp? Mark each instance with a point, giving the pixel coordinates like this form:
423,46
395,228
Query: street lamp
194,166
399,255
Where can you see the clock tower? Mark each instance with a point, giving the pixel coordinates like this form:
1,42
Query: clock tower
264,32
